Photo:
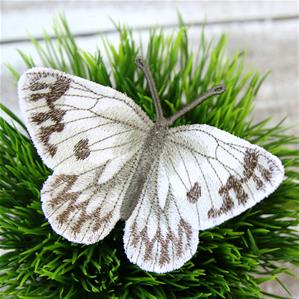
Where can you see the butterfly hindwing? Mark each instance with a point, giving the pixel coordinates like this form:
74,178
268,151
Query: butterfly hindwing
91,136
158,239
80,207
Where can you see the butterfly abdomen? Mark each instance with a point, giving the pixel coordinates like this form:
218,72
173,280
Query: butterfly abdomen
149,157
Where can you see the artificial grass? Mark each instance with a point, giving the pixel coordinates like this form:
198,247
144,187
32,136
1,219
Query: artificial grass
41,264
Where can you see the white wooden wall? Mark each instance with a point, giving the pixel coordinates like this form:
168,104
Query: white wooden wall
267,30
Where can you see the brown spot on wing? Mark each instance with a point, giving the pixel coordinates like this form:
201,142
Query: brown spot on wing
51,92
194,193
81,149
64,195
172,238
44,136
55,115
252,170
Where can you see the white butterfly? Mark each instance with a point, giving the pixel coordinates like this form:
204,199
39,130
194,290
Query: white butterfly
112,162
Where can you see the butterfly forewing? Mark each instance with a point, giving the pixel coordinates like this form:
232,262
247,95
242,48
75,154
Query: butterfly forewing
91,136
74,122
215,175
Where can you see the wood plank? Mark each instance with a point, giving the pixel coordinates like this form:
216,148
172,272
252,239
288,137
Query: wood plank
22,17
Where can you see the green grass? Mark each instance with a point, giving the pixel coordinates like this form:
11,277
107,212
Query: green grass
41,264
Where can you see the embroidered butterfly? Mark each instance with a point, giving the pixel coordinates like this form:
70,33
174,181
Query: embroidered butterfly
111,162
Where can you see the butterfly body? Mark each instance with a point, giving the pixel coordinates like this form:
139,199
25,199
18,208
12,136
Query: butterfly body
150,154
111,162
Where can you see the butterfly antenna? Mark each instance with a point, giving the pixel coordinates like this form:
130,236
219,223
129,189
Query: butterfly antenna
216,90
149,77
